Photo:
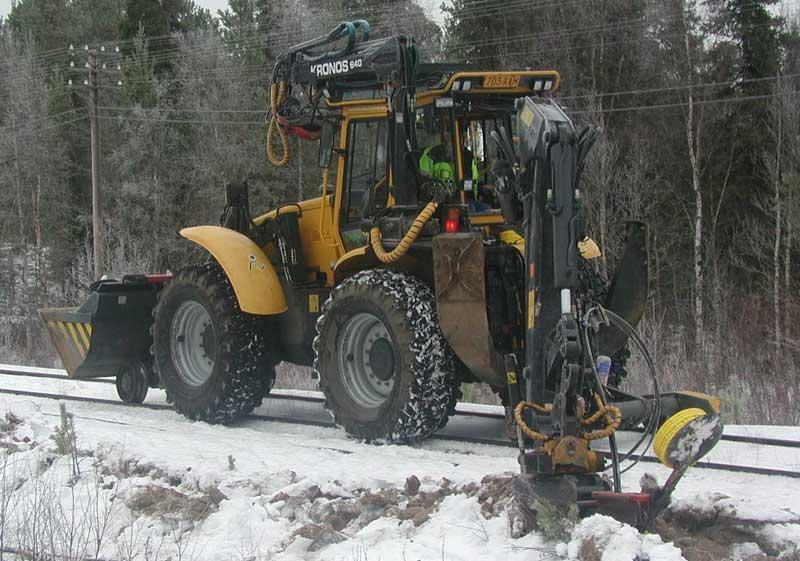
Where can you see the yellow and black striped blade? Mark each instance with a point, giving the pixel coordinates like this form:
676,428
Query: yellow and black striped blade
72,339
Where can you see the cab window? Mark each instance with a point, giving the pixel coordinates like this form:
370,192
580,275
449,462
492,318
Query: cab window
366,169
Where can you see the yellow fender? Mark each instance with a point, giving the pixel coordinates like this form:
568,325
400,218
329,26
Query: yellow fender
354,260
252,276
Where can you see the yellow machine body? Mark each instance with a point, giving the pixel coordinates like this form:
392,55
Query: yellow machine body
249,271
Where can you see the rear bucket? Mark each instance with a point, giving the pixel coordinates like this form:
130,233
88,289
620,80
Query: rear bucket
110,331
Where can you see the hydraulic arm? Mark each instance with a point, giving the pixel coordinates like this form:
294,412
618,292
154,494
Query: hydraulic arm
567,404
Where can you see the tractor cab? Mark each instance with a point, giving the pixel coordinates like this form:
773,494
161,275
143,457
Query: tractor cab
449,132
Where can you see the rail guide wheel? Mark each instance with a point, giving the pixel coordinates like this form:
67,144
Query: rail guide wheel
132,382
687,436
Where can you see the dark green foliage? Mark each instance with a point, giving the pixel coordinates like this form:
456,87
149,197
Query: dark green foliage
139,86
146,15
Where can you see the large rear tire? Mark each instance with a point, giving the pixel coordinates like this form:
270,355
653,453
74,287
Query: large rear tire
384,366
212,358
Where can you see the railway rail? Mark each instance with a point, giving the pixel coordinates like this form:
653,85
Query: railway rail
309,397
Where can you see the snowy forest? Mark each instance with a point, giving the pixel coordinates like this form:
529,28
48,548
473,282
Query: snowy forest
697,101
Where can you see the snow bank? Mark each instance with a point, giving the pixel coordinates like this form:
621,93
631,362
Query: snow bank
603,538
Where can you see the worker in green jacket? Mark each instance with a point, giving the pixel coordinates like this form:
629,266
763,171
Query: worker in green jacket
434,163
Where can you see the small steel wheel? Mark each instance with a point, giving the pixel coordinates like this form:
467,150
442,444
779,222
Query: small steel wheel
132,383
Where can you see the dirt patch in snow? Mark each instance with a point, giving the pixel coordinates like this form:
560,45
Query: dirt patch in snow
715,531
329,518
165,502
10,439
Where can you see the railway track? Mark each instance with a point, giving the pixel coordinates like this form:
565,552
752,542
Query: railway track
309,397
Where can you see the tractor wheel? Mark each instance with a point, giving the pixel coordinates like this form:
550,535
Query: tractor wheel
212,358
132,382
384,366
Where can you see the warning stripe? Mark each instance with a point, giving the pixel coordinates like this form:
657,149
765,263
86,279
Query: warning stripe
81,327
80,348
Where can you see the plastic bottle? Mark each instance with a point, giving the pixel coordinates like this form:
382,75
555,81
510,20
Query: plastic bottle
603,368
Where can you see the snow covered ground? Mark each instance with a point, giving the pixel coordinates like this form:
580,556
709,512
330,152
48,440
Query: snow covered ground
157,486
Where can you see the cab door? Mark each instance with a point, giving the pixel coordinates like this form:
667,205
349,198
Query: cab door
365,187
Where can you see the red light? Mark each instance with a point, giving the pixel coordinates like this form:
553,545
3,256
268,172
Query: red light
158,279
451,220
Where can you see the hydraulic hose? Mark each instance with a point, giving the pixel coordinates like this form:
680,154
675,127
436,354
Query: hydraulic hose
526,430
408,239
612,417
277,92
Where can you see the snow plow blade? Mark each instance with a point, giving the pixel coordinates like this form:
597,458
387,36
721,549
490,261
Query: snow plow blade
110,331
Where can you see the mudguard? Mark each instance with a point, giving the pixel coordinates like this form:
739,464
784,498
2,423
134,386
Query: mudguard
252,276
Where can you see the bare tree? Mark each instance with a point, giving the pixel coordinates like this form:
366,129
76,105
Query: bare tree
693,127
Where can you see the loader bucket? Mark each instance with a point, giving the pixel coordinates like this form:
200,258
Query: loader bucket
110,331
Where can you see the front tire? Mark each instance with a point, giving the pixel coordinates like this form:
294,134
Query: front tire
384,366
211,357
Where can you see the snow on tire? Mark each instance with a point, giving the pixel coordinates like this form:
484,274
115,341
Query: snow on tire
384,366
212,358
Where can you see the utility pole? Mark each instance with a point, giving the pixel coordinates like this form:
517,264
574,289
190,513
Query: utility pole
92,81
97,222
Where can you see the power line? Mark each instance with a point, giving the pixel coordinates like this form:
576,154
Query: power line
549,35
680,87
253,69
20,126
188,121
560,98
364,13
479,9
179,110
166,54
739,99
49,127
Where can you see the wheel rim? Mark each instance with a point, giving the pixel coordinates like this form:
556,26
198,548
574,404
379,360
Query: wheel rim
193,343
126,382
366,360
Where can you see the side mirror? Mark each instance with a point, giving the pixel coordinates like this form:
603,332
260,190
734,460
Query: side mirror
326,138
